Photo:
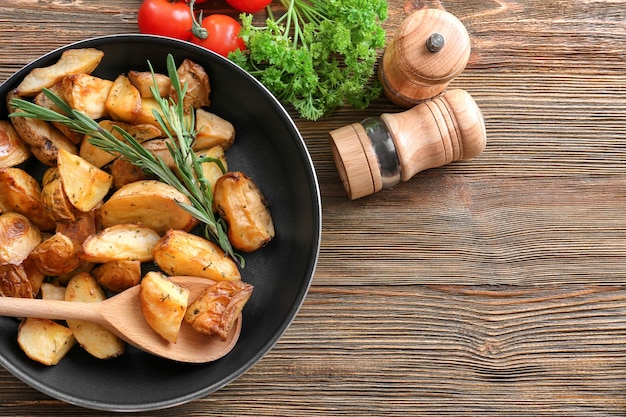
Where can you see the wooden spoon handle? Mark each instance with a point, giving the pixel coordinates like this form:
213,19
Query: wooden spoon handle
50,309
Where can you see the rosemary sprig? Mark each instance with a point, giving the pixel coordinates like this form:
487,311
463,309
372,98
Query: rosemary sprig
180,130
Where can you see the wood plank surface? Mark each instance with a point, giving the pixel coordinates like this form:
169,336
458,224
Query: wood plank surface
490,287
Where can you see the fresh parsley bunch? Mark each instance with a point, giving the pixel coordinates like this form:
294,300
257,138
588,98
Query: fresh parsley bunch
318,55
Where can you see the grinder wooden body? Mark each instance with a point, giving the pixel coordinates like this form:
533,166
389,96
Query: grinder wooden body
434,133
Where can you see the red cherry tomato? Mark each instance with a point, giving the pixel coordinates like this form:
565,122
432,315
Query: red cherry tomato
249,6
222,34
162,17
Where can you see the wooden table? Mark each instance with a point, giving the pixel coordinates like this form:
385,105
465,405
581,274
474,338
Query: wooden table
495,286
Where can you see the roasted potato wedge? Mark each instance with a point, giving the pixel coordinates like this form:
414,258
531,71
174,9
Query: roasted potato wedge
211,170
54,198
182,253
198,86
150,203
42,138
145,115
72,61
18,237
99,157
240,203
94,338
84,225
120,242
21,193
56,255
123,101
158,148
85,185
45,341
212,130
87,94
163,304
14,282
118,276
13,150
43,100
143,81
215,311
124,172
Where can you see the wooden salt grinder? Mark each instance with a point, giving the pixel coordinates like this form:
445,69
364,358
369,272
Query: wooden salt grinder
429,49
380,152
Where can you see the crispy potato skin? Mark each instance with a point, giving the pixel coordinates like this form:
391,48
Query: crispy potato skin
14,282
212,130
215,311
240,203
56,255
163,304
182,253
13,150
21,193
18,237
118,276
142,80
198,86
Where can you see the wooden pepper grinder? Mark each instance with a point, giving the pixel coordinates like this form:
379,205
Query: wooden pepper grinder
380,152
429,49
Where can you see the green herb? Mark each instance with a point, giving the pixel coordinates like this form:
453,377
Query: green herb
318,55
179,128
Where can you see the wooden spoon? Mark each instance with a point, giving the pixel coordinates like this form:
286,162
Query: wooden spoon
121,314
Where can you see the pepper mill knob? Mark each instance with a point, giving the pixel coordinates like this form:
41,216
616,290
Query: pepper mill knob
380,152
429,49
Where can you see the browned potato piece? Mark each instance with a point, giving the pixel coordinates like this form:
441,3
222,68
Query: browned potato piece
34,275
212,130
99,157
44,140
125,172
158,148
240,203
143,81
120,242
85,185
94,338
150,203
44,340
123,101
163,304
215,311
56,255
72,61
54,198
18,237
118,276
211,170
43,100
21,193
13,150
182,253
87,94
198,87
14,282
84,225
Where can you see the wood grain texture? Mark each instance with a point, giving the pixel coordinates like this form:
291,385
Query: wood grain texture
490,287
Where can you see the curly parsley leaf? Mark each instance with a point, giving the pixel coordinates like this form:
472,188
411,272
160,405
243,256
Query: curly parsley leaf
318,55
